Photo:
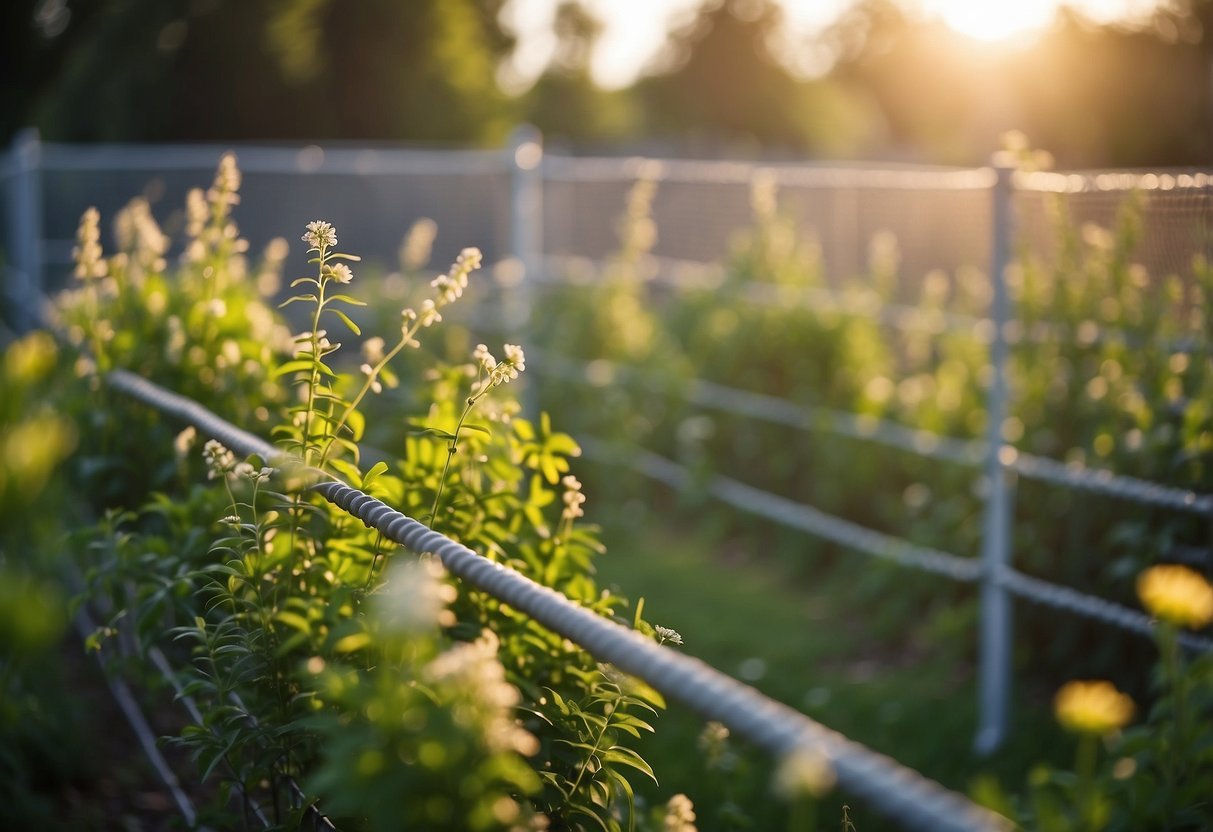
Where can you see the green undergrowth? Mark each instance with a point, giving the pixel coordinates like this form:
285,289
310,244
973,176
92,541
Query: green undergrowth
898,682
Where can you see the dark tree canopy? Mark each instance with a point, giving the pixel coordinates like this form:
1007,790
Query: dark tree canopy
426,70
224,69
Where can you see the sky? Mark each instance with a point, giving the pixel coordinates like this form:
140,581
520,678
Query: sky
635,29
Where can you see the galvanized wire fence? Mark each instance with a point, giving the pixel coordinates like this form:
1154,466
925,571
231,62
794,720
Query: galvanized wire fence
902,794
551,220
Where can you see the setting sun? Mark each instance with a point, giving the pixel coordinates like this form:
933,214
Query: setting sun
1002,21
993,21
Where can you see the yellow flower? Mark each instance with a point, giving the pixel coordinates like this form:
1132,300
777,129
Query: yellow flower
1176,594
803,772
1092,707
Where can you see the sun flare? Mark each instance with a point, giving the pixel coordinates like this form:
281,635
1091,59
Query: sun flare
993,21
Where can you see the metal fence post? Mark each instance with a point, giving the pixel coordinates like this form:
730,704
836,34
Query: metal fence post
526,236
994,671
24,291
526,217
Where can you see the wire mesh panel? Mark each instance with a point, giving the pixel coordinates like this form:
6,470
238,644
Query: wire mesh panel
372,196
1170,214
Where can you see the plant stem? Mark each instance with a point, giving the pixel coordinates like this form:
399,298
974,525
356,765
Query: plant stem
406,337
314,381
453,446
586,765
1085,768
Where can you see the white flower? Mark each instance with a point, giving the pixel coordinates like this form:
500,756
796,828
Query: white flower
88,255
219,460
341,273
429,313
573,498
372,349
515,355
320,234
415,598
482,355
184,441
369,371
665,634
679,815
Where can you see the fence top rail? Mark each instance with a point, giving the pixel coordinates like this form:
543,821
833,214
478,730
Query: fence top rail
821,175
914,441
813,521
901,793
1113,181
309,159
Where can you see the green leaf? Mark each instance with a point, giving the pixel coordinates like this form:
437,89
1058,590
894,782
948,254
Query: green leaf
373,474
297,298
294,619
348,300
441,434
291,367
627,757
479,428
355,422
338,255
352,643
346,319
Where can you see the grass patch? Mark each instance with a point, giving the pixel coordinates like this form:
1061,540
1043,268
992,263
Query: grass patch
896,676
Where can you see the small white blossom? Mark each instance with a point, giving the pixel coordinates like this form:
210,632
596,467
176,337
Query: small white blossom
197,213
227,182
515,355
88,254
184,441
369,371
483,356
341,273
429,313
665,634
320,234
573,498
219,460
415,599
679,815
372,349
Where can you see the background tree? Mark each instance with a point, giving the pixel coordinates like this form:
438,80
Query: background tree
719,81
565,102
289,69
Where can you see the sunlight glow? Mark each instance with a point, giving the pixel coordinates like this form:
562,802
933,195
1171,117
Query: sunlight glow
993,21
634,30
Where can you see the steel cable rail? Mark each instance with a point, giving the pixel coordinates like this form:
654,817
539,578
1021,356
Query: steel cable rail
816,522
910,440
899,792
791,513
1071,600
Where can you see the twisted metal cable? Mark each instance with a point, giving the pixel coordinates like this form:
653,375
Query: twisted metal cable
791,513
799,516
1103,481
1073,601
901,793
922,443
